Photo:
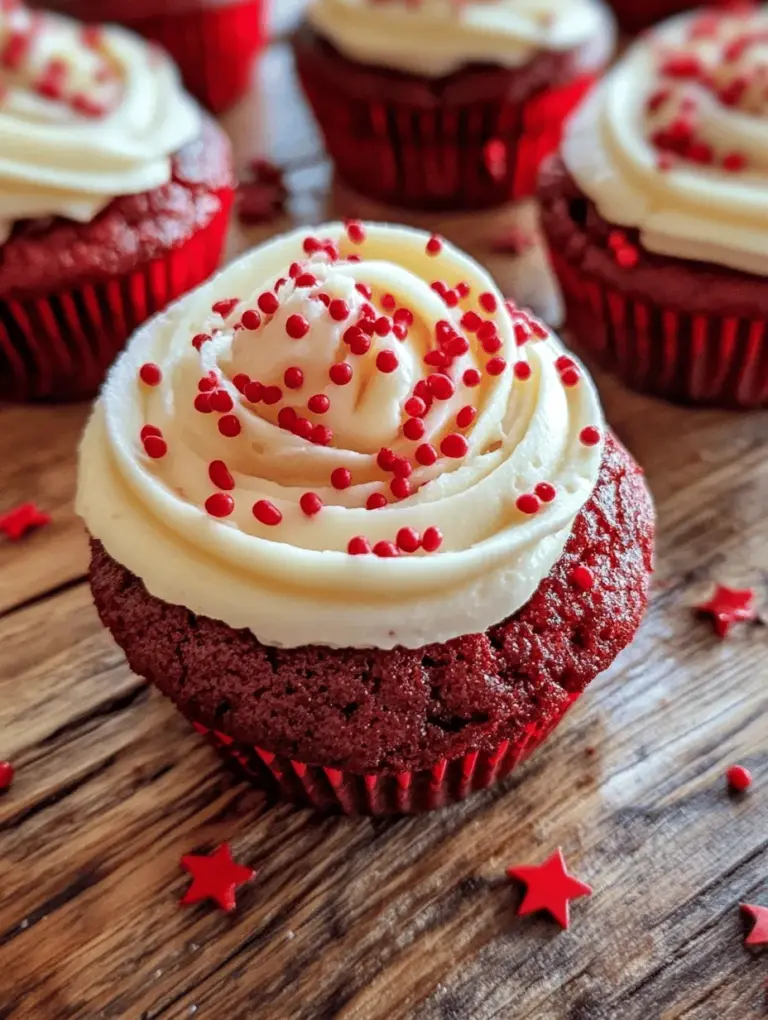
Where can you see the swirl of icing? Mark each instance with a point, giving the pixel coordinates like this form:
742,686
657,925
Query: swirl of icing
357,392
438,37
86,114
674,141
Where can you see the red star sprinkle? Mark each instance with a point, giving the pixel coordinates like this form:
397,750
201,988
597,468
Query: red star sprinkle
549,887
728,606
215,877
759,934
17,522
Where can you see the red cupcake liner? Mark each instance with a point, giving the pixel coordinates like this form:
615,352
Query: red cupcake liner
445,156
213,43
682,356
401,793
59,346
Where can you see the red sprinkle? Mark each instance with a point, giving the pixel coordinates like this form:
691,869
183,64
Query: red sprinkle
734,162
203,403
221,401
220,504
149,430
286,418
466,416
251,319
268,303
364,289
582,577
376,501
338,310
408,540
341,478
570,377
413,428
522,370
545,492
240,381
471,321
150,374
488,302
254,391
302,427
311,504
415,407
155,447
358,546
404,315
432,539
739,778
400,488
271,394
321,435
306,280
293,377
199,339
454,445
318,403
224,307
402,467
385,458
340,373
441,386
356,232
359,343
471,377
434,245
296,326
220,476
426,454
495,366
7,772
528,503
386,361
590,435
382,326
267,513
387,550
229,426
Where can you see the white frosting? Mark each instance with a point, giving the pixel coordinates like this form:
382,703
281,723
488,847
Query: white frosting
637,144
85,116
437,37
295,583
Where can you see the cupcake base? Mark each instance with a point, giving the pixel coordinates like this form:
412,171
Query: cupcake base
689,332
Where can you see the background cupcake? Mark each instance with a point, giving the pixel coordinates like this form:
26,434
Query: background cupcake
444,106
635,15
361,520
114,195
656,215
212,41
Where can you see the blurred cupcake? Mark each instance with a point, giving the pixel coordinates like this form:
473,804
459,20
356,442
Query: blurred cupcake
212,41
362,520
636,15
114,195
656,215
443,106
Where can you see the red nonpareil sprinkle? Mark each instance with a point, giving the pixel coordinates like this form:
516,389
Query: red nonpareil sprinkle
466,416
267,513
441,386
251,319
240,381
415,407
400,488
413,428
356,232
220,504
229,426
271,394
386,550
306,280
365,290
454,445
471,377
224,307
302,428
471,321
358,342
319,403
385,458
295,270
657,100
421,389
7,772
451,298
463,289
488,302
199,339
683,65
376,501
311,245
522,370
738,778
293,377
280,282
426,454
545,491
402,467
254,391
220,476
432,539
492,344
404,316
382,326
321,435
495,158
323,299
203,403
400,330
268,302
221,401
150,374
149,430
286,418
296,326
590,435
456,346
341,373
155,447
311,504
495,366
17,522
437,359
408,540
434,245
522,333
570,378
582,577
358,546
341,478
528,503
564,362
734,162
627,256
388,301
487,330
338,310
386,361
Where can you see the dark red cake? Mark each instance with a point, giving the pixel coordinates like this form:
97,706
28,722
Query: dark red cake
407,729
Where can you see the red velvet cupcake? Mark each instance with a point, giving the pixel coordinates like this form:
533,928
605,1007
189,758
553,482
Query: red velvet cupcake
114,197
212,41
442,106
656,214
366,529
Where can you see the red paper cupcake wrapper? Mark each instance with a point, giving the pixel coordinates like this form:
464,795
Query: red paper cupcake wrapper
59,346
213,43
681,356
448,157
405,793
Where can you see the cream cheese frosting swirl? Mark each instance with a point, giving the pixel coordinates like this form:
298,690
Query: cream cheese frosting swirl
674,141
438,37
86,114
346,439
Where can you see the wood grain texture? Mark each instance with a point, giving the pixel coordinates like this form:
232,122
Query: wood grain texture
358,919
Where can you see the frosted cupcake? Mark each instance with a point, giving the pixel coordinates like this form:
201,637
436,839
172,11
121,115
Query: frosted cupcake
656,214
443,106
361,520
114,195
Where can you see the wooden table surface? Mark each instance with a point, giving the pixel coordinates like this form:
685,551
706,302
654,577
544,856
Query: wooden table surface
388,920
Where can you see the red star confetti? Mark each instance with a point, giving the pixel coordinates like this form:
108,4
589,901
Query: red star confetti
728,606
261,198
549,887
215,877
21,519
758,936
